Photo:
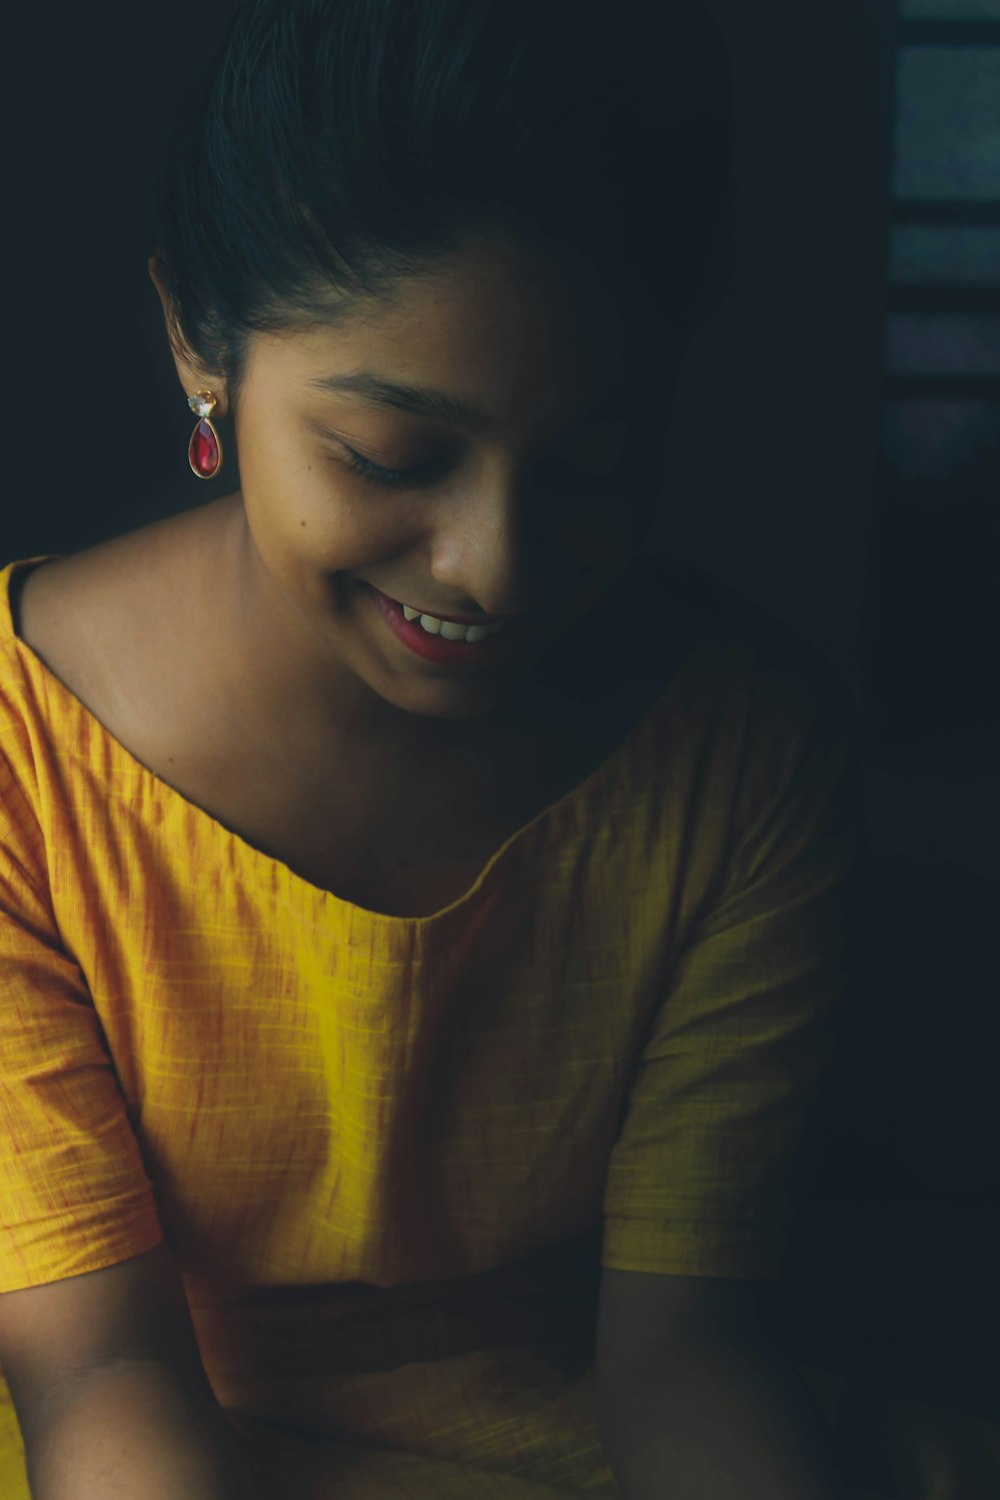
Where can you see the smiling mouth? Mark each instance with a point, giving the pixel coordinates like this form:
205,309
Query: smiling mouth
446,645
447,619
438,627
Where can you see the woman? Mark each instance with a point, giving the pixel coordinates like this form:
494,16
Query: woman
422,911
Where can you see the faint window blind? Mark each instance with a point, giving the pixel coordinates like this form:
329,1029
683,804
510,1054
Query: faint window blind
935,586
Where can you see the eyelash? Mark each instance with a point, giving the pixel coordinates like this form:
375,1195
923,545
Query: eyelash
378,475
413,477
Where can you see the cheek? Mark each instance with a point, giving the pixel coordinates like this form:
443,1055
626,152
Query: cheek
597,534
302,498
325,529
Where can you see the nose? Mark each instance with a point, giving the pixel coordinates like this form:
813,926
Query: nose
494,545
507,543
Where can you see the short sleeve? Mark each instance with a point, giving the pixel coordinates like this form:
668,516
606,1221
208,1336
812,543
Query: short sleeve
74,1192
740,1043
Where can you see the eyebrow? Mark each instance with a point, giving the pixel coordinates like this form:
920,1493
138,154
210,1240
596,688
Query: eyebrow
425,401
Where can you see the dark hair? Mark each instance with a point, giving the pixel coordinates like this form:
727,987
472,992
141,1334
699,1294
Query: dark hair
331,147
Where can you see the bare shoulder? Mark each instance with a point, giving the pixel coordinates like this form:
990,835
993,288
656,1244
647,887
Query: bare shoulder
106,620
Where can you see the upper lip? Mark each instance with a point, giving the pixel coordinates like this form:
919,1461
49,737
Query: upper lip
452,619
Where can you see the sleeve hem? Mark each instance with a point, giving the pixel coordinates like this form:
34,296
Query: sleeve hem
692,1249
92,1259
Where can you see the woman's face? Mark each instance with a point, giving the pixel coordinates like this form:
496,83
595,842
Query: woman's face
513,510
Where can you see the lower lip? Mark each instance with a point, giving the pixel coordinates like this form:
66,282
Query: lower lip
467,654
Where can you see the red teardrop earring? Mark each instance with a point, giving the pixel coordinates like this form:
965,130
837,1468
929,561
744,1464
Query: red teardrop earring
205,447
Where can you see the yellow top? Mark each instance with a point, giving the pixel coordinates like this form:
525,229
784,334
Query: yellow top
391,1154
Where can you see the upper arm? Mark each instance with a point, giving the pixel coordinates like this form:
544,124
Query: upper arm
640,1313
730,1075
52,1335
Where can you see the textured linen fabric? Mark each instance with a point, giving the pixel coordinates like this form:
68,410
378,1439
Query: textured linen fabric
391,1155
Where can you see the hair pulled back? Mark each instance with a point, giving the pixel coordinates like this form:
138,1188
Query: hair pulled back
332,147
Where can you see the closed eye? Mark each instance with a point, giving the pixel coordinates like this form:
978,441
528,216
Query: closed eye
378,475
424,473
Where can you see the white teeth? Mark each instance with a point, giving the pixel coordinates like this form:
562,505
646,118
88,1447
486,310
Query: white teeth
449,629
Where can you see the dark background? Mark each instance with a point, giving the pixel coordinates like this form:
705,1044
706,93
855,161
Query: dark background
834,455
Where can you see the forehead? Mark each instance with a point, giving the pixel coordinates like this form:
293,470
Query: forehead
505,330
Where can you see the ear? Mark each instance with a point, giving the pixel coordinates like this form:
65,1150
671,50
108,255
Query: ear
192,376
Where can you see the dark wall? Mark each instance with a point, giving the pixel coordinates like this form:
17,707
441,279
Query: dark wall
96,423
